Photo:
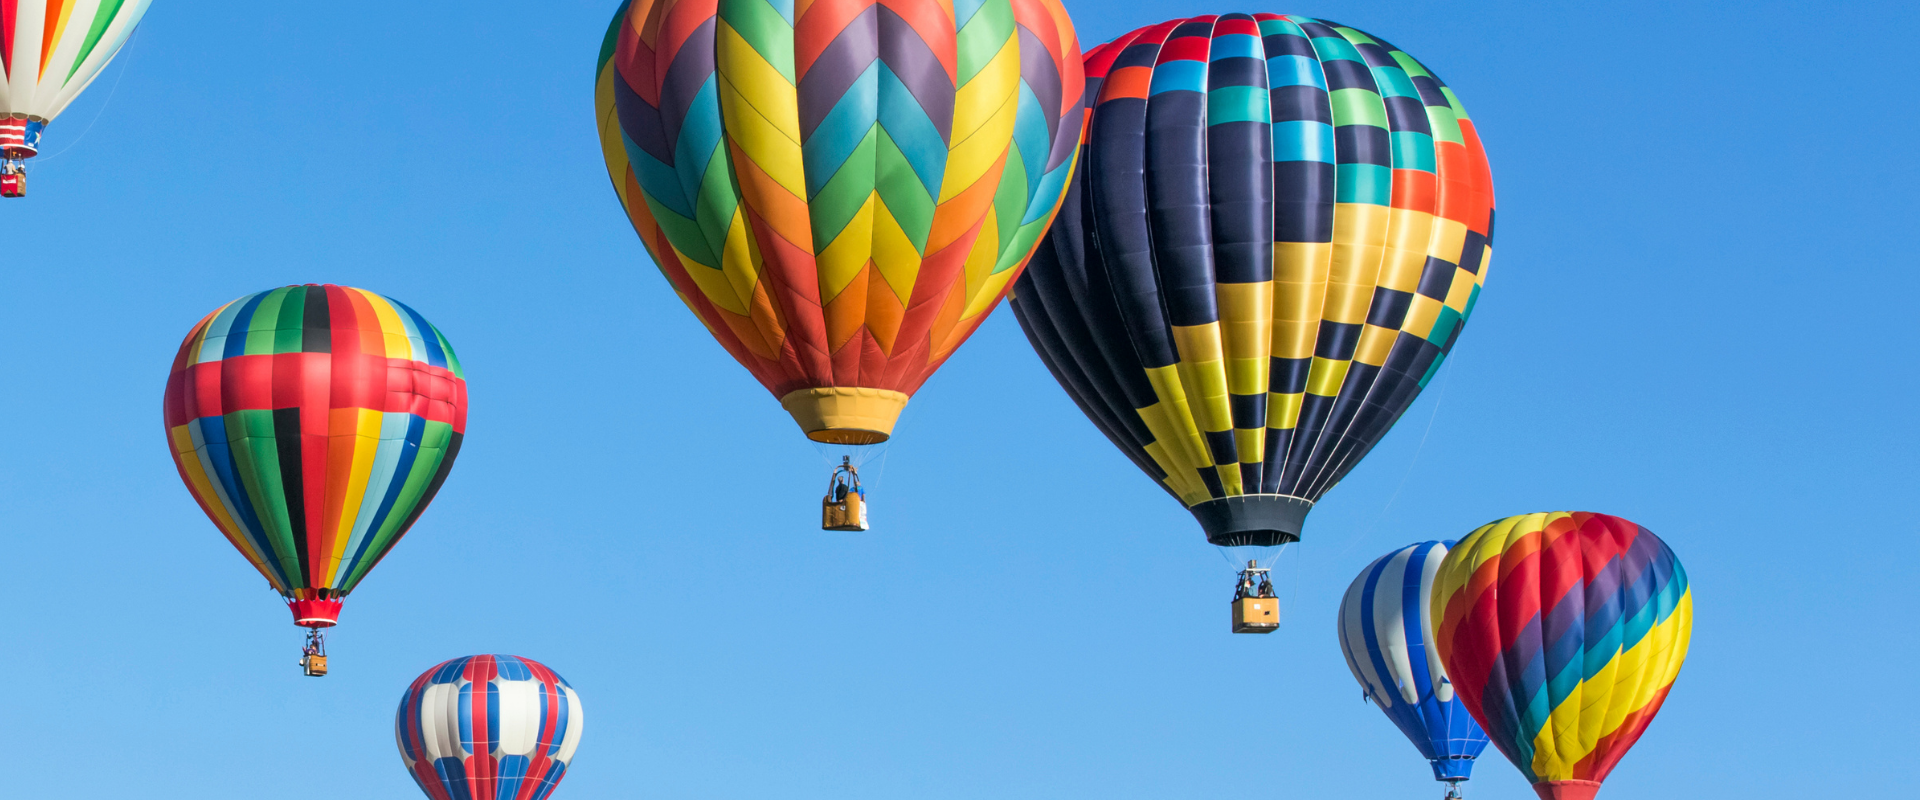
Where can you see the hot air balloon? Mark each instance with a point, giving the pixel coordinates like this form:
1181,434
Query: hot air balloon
313,424
1563,634
1385,625
1277,229
841,191
50,51
488,728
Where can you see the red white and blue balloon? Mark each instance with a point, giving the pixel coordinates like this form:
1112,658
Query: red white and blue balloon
488,728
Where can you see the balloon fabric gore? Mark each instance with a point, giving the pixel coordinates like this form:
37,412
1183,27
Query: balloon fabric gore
841,191
313,424
1563,634
1278,227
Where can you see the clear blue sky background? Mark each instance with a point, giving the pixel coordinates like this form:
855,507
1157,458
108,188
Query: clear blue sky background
1698,317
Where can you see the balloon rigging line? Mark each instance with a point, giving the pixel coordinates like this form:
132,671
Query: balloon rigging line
1438,398
124,68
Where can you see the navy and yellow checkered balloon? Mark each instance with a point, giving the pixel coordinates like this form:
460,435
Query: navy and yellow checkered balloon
1275,233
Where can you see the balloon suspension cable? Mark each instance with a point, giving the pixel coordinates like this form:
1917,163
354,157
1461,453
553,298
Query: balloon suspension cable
1254,581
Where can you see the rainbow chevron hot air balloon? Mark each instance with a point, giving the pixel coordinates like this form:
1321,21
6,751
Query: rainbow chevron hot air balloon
1563,633
841,190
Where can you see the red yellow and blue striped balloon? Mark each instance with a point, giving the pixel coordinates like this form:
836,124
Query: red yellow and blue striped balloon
1563,634
841,190
313,424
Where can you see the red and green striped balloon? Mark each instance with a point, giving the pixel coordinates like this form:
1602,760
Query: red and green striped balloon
313,424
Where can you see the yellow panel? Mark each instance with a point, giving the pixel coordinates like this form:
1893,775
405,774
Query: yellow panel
1375,343
1348,302
1449,238
768,136
847,254
1326,375
1421,316
1230,479
1182,431
893,254
987,93
988,293
1252,444
1409,230
985,253
1283,410
1299,293
757,82
983,117
1246,328
1461,290
1197,342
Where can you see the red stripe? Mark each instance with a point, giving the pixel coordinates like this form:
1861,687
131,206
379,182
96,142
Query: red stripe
1232,26
1414,189
1186,48
320,381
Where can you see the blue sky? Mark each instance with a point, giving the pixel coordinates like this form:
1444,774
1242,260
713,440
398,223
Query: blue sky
1696,317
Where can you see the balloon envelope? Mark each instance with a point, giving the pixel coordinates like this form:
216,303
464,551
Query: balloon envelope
1563,634
840,190
1278,228
488,728
50,51
1386,627
313,424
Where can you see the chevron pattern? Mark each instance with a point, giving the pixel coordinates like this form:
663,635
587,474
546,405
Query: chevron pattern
841,190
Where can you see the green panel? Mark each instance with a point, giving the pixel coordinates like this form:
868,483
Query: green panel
1413,67
1412,150
902,192
1010,201
1330,48
1022,242
845,192
1446,127
1357,107
1238,104
453,361
764,29
1443,327
982,38
289,329
714,206
1394,83
263,324
684,233
101,19
1271,27
1371,184
1459,111
256,460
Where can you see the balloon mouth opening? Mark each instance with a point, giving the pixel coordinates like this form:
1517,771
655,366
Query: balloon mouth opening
315,613
845,415
1252,520
848,436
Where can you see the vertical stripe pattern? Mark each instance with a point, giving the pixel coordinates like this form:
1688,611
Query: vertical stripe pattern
50,50
840,190
488,728
313,424
1563,634
1386,630
1277,229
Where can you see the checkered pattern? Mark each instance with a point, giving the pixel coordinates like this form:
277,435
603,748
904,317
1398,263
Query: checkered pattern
1277,230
